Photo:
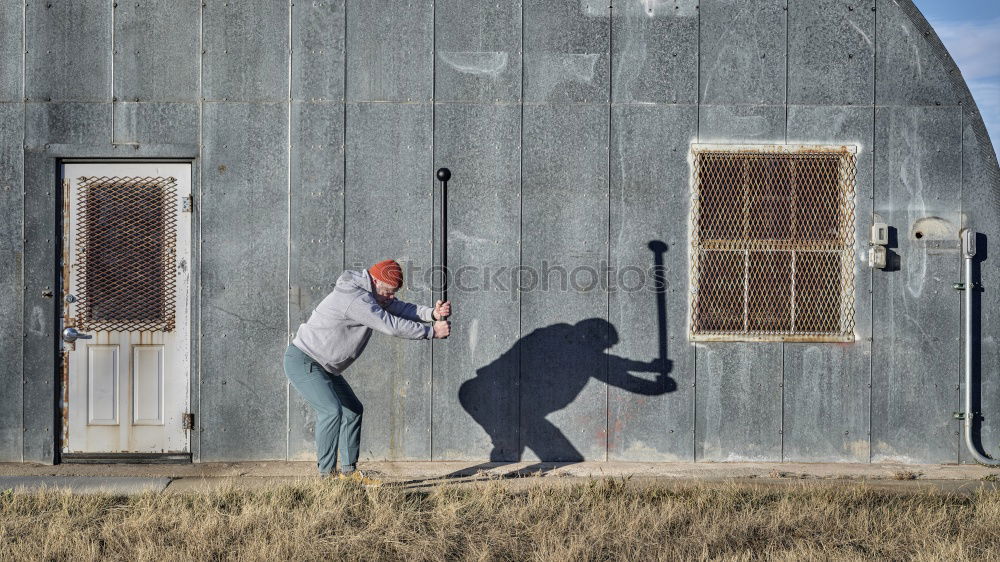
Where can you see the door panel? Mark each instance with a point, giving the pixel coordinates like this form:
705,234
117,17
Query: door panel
126,280
147,392
102,384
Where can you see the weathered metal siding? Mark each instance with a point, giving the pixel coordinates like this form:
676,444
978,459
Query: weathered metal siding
316,190
11,234
831,77
980,196
244,237
12,280
742,83
11,52
477,122
827,387
918,174
316,128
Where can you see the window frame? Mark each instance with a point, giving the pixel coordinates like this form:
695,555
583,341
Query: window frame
847,192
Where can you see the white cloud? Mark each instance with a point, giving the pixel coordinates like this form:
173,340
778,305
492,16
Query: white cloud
987,96
975,46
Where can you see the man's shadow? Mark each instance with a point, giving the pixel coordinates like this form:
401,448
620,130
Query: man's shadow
556,363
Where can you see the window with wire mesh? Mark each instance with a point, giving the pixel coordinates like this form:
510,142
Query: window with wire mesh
126,236
773,243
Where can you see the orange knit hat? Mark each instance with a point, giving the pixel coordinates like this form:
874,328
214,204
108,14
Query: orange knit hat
387,271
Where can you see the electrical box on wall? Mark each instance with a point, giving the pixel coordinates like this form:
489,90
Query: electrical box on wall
877,257
879,239
880,234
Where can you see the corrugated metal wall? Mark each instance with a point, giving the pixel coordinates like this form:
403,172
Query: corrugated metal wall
315,128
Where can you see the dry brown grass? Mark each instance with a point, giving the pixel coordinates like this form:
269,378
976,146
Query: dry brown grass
601,520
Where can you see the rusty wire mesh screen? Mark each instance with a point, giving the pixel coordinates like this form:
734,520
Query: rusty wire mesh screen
773,244
126,236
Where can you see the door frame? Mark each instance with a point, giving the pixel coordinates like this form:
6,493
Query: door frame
69,154
175,437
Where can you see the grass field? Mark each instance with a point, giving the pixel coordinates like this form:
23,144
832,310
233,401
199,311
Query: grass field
593,520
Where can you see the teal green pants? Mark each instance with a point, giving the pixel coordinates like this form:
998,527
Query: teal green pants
338,411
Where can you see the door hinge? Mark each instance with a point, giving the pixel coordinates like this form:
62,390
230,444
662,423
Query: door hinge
187,204
187,421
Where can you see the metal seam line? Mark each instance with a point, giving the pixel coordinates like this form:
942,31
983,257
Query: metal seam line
343,147
196,433
288,239
781,421
111,84
24,126
871,273
430,411
964,312
520,236
697,136
607,246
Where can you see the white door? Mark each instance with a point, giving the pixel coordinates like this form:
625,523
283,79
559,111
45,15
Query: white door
126,290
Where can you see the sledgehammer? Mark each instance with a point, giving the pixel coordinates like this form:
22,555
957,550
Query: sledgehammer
444,174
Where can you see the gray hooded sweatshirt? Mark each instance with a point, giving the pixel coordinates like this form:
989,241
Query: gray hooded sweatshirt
338,330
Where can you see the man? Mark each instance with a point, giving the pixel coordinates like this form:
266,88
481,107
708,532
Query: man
334,336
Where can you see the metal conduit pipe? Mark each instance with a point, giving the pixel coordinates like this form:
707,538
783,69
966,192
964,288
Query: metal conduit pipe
969,252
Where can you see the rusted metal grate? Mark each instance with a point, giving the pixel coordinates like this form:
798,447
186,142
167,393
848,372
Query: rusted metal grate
126,237
772,256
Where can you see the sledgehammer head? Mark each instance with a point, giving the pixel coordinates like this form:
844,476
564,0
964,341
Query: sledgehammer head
658,246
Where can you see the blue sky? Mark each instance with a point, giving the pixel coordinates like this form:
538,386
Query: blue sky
971,31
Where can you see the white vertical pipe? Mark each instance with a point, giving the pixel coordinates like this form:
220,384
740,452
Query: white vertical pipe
968,252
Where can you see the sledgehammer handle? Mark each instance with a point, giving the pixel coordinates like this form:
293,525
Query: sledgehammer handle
444,174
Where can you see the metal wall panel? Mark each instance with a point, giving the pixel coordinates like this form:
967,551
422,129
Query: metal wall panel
157,50
566,51
564,329
392,50
742,51
244,240
316,234
475,397
831,52
908,67
12,280
156,123
980,195
742,124
739,402
915,366
68,51
827,389
318,50
66,123
738,393
39,308
238,37
478,45
388,211
650,419
11,50
654,52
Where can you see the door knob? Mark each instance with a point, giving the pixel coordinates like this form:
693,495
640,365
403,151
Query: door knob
70,335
